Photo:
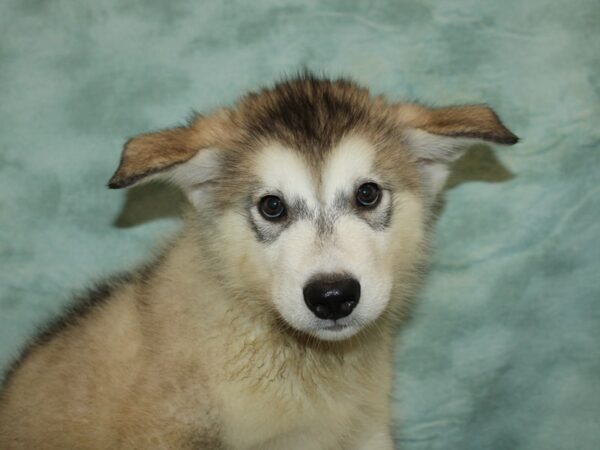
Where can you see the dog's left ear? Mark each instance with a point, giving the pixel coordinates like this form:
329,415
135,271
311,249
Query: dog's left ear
188,156
439,136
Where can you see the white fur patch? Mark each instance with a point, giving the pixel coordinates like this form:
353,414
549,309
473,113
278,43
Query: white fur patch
351,161
284,170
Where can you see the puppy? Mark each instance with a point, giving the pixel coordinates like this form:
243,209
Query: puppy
267,323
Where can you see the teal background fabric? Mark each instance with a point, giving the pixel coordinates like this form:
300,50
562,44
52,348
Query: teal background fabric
503,348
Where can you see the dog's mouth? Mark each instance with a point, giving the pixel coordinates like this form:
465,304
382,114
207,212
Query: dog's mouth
335,330
325,329
335,326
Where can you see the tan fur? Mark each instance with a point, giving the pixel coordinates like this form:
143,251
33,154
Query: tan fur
150,153
189,353
469,121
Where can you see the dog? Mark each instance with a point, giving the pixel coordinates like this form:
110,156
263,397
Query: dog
267,323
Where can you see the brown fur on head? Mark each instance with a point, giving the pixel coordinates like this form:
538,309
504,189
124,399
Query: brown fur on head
318,131
308,114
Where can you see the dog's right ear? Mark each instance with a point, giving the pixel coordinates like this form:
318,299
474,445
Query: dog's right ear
187,156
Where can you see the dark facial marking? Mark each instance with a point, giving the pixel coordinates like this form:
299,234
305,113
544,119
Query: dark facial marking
260,235
299,210
265,232
378,218
324,220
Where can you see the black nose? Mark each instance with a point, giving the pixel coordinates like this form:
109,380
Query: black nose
332,297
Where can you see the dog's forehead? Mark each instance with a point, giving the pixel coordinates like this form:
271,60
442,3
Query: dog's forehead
298,175
280,168
352,160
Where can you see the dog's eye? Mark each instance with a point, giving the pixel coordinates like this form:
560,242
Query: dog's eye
368,195
271,208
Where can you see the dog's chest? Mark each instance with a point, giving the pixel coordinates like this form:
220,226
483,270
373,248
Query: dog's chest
288,416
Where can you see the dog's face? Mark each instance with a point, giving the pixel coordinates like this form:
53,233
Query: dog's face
314,196
331,235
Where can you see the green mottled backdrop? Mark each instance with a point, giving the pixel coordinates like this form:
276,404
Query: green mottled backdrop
503,351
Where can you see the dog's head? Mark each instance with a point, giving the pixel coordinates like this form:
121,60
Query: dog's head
314,196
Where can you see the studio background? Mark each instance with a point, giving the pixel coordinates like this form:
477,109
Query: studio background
503,349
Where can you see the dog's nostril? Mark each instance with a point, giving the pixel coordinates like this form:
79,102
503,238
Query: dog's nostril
332,297
321,310
347,306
